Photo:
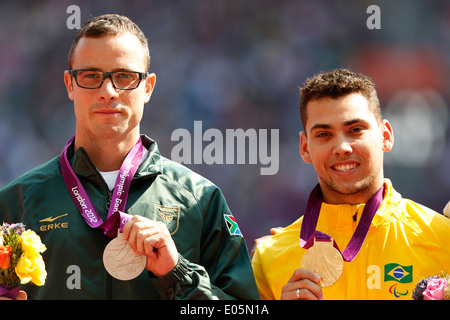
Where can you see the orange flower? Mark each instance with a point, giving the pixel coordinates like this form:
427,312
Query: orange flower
5,259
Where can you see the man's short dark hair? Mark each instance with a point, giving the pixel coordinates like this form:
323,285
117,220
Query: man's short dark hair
335,84
109,24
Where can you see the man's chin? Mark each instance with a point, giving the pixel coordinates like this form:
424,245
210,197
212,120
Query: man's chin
348,188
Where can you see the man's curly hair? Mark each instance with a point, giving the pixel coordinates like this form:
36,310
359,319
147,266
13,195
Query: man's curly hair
334,84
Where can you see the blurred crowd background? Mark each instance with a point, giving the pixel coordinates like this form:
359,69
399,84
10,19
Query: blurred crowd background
238,64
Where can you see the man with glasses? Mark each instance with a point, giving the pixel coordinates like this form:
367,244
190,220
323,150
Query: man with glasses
110,182
122,80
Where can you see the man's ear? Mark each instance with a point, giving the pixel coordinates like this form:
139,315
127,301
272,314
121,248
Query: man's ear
304,148
388,136
149,86
69,84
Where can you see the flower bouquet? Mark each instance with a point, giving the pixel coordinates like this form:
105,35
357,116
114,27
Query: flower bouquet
20,259
433,288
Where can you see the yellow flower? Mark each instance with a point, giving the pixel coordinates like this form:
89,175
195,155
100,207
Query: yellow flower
31,267
31,243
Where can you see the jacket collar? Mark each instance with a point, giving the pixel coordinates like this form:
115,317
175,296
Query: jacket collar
341,217
83,166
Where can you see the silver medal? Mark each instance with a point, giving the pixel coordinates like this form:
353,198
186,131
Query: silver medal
120,260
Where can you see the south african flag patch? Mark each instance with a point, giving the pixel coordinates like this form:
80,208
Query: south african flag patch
232,225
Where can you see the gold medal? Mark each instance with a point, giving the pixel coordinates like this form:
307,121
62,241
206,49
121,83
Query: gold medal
325,260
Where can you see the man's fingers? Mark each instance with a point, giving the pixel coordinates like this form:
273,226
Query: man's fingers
305,274
302,285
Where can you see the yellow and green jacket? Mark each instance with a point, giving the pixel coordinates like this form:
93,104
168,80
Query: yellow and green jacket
214,261
405,243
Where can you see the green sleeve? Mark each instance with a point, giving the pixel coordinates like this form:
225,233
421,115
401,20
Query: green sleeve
224,269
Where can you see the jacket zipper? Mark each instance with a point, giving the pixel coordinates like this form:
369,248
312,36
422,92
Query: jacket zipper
108,203
109,290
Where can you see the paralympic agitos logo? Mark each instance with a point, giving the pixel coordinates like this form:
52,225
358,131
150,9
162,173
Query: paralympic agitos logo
400,274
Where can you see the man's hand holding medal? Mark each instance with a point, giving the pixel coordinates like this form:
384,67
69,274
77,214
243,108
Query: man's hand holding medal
303,285
152,239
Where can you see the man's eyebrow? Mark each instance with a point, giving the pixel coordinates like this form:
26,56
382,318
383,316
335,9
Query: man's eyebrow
320,126
121,69
102,70
353,121
327,126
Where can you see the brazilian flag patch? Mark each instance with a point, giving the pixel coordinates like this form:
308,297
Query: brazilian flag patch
232,225
399,273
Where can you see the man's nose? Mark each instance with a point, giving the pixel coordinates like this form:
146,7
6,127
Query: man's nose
107,91
342,145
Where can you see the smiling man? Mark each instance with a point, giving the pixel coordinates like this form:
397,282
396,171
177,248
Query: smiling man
358,238
347,147
110,182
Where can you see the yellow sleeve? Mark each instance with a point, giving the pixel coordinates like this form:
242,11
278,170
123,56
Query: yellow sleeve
265,293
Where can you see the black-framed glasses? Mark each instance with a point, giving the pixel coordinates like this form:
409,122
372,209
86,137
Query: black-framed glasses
122,80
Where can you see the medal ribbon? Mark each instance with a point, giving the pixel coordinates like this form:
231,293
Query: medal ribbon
308,230
116,217
9,292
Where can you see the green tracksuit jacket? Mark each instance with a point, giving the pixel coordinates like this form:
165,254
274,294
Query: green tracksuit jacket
214,261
